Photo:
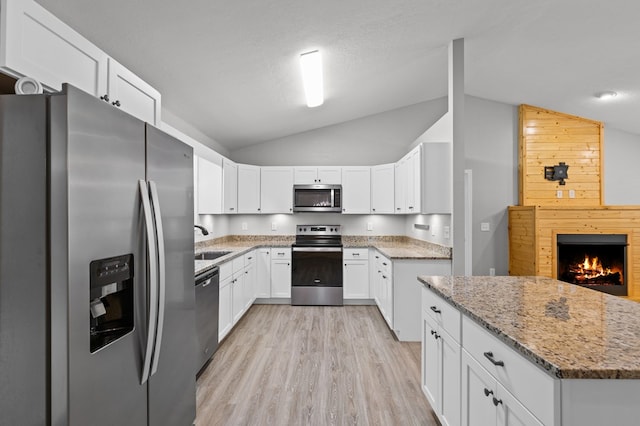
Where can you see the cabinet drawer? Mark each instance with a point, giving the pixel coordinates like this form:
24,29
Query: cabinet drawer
250,258
445,315
280,253
238,264
534,388
355,253
226,270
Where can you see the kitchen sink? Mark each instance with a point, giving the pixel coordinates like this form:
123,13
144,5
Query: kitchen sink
210,255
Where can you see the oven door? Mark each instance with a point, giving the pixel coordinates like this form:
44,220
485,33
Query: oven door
316,267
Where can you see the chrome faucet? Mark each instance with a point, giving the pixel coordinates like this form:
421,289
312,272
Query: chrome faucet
203,229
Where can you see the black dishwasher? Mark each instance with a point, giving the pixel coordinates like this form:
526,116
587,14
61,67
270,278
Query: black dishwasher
207,302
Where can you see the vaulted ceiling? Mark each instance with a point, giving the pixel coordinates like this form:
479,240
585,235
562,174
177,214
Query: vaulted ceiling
230,68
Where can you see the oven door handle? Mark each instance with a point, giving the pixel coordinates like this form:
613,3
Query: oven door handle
316,249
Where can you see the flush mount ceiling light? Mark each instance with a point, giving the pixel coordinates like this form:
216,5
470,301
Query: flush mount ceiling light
608,95
311,65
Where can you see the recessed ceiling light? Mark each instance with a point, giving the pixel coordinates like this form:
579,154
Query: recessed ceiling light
606,95
311,65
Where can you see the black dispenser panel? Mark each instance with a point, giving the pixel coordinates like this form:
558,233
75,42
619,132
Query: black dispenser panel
111,300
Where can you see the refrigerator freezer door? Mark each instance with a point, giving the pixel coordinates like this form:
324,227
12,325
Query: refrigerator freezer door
172,387
23,260
98,157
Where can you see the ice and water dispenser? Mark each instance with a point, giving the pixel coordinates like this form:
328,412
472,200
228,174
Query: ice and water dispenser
111,300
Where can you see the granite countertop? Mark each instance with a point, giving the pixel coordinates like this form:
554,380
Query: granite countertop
394,247
569,331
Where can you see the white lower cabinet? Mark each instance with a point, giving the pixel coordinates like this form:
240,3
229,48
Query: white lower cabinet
355,279
486,402
281,272
263,273
441,358
225,316
250,279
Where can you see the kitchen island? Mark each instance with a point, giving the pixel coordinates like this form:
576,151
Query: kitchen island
531,349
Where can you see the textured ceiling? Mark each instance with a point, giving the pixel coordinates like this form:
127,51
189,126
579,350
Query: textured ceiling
230,68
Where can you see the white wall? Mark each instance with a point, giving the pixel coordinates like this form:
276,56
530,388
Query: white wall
621,167
286,223
376,139
435,233
491,149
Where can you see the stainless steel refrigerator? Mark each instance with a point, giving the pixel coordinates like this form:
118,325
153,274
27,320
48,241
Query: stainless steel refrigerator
97,320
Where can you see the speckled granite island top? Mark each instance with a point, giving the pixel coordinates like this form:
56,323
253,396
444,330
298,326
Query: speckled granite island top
569,331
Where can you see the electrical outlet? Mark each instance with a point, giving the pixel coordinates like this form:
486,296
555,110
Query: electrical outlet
492,272
244,226
369,226
572,193
274,226
559,193
446,232
485,227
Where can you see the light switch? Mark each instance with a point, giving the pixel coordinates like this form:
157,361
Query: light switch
369,226
446,232
559,193
485,227
244,226
572,193
274,226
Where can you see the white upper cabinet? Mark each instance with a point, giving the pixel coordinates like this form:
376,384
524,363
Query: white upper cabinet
209,184
130,93
276,190
36,44
248,189
382,189
318,175
414,179
400,184
229,187
356,190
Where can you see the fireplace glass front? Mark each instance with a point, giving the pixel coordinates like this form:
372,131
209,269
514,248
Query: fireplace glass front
596,261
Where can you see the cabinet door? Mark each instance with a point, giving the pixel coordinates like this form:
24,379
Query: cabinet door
431,363
209,187
230,186
450,379
249,286
400,183
356,279
248,189
382,189
238,296
35,43
511,412
225,317
263,273
387,298
305,175
281,278
356,190
413,182
133,95
478,391
330,175
276,190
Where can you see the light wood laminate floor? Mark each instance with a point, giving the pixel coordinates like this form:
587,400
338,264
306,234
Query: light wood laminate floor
300,365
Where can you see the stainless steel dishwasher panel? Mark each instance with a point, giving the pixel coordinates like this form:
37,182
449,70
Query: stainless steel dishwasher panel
207,303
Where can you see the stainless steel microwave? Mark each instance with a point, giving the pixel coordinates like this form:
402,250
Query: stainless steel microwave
317,198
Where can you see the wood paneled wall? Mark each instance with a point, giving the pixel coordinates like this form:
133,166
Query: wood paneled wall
533,230
547,138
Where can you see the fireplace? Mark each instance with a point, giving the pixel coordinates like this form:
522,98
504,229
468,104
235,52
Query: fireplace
596,261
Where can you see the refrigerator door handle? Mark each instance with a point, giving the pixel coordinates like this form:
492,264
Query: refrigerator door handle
161,273
153,279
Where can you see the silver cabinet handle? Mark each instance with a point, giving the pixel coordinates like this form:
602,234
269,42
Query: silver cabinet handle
162,276
153,279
